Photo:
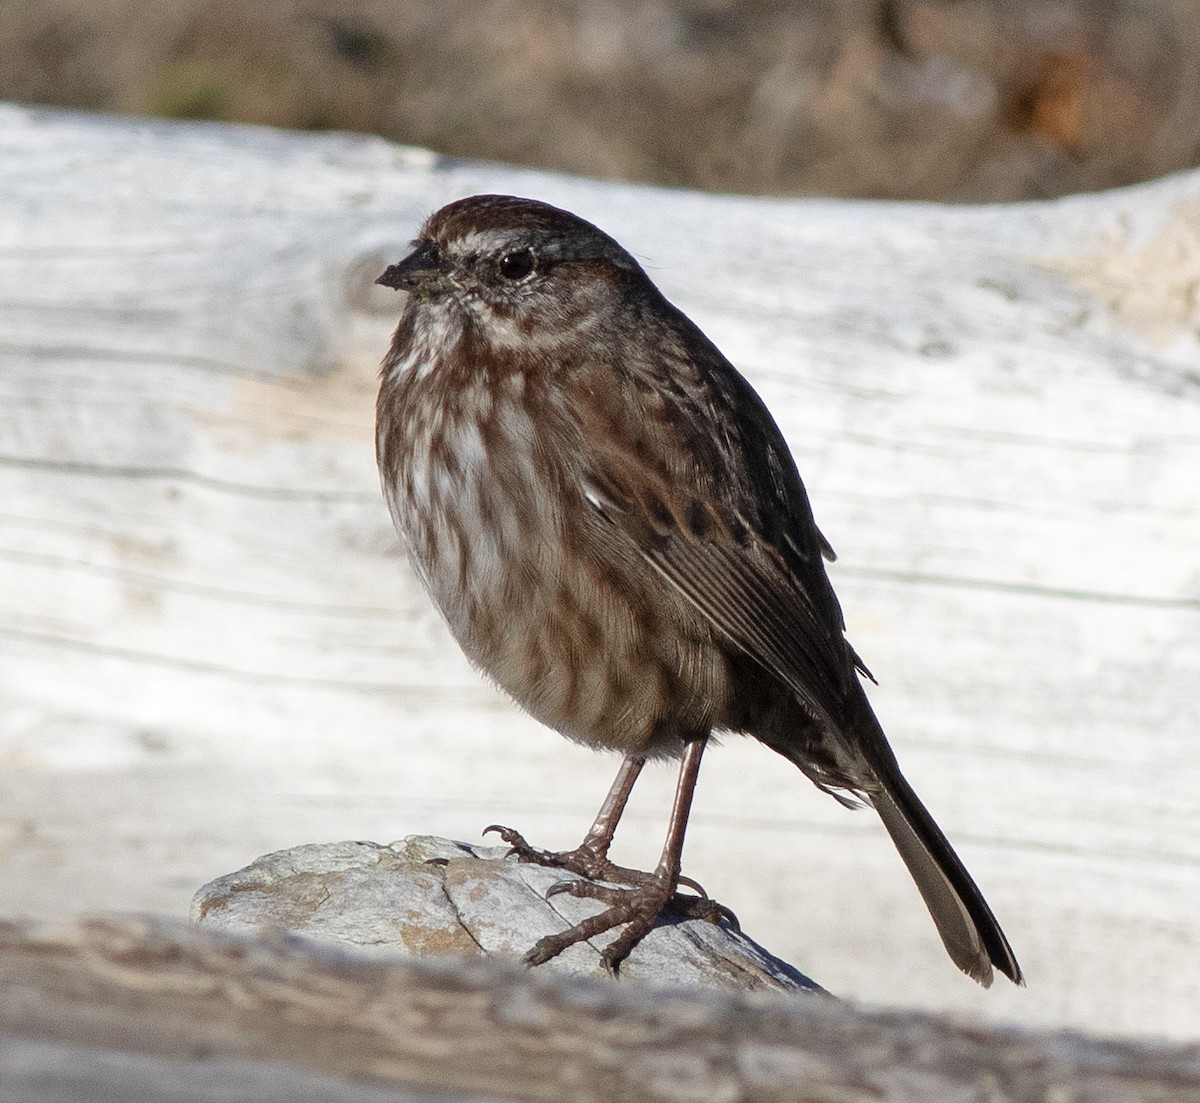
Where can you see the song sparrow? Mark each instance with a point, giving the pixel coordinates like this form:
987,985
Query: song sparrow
615,531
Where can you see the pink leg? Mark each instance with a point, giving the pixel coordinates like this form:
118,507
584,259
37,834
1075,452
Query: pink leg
639,907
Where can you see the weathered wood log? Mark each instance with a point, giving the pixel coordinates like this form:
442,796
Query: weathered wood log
211,649
209,1007
37,1071
430,896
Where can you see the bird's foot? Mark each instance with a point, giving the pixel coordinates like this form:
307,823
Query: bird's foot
584,860
637,908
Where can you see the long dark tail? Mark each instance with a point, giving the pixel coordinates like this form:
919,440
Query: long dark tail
968,928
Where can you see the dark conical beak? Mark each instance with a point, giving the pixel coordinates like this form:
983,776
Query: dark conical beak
406,275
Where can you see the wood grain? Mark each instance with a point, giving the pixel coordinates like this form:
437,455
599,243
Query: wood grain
199,1009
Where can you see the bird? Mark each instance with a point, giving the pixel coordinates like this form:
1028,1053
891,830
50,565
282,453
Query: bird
615,531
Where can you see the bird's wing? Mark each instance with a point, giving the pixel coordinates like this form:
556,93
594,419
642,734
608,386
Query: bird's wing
740,590
721,514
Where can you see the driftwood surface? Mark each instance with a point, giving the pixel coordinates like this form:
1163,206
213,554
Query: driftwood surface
210,646
203,1011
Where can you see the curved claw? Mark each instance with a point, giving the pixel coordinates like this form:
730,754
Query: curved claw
507,834
727,914
518,845
560,888
695,886
619,948
709,910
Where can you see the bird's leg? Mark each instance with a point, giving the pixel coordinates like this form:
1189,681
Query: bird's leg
639,906
590,858
600,835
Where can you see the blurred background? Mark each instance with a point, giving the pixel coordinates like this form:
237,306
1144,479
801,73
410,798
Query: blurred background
908,99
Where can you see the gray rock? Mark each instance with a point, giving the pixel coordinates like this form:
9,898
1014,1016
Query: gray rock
427,896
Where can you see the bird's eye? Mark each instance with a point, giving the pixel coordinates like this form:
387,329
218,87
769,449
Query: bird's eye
518,265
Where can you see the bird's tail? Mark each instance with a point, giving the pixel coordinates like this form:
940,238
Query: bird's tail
969,930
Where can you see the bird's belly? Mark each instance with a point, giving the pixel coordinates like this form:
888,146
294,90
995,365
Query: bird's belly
600,653
604,664
588,639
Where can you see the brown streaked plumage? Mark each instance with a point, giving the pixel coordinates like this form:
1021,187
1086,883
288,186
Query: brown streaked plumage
614,529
